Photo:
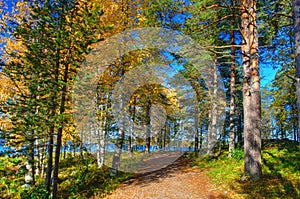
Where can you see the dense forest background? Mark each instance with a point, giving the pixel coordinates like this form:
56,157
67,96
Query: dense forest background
204,95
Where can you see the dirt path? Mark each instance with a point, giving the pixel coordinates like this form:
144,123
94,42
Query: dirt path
176,181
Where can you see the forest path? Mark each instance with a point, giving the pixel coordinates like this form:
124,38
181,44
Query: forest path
178,180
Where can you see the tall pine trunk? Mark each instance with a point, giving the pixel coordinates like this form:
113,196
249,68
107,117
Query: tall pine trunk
251,92
296,17
232,94
59,133
212,133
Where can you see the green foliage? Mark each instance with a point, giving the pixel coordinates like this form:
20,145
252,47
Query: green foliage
238,154
281,172
36,192
79,178
83,179
11,176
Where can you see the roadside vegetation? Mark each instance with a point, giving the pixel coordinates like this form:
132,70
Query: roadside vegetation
281,171
79,178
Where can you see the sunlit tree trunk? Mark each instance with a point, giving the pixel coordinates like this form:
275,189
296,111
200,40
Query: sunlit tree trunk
232,95
251,92
296,17
30,171
101,137
212,133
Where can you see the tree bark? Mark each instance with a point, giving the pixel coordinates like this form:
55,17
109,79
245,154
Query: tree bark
59,133
101,134
239,126
49,164
132,126
251,92
117,154
201,135
232,94
296,17
164,137
120,140
212,135
101,142
148,129
65,149
196,147
30,173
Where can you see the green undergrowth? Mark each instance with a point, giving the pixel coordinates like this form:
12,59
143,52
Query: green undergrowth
78,178
11,176
81,178
281,172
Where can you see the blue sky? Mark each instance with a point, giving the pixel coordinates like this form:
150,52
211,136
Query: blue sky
267,74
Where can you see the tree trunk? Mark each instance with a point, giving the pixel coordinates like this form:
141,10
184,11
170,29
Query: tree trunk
65,149
56,163
49,164
117,154
130,141
165,136
201,134
29,175
101,140
59,133
39,159
232,95
43,159
120,140
148,133
196,140
101,134
212,135
251,92
239,126
296,17
196,147
132,127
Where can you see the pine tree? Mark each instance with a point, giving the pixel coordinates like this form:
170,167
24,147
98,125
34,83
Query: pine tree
251,92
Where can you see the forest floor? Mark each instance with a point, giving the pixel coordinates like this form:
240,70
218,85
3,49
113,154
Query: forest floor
166,175
178,180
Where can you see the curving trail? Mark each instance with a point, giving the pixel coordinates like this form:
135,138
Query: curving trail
178,180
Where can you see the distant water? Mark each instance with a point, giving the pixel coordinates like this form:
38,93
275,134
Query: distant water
5,150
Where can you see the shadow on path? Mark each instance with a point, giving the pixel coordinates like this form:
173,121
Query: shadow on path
177,179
